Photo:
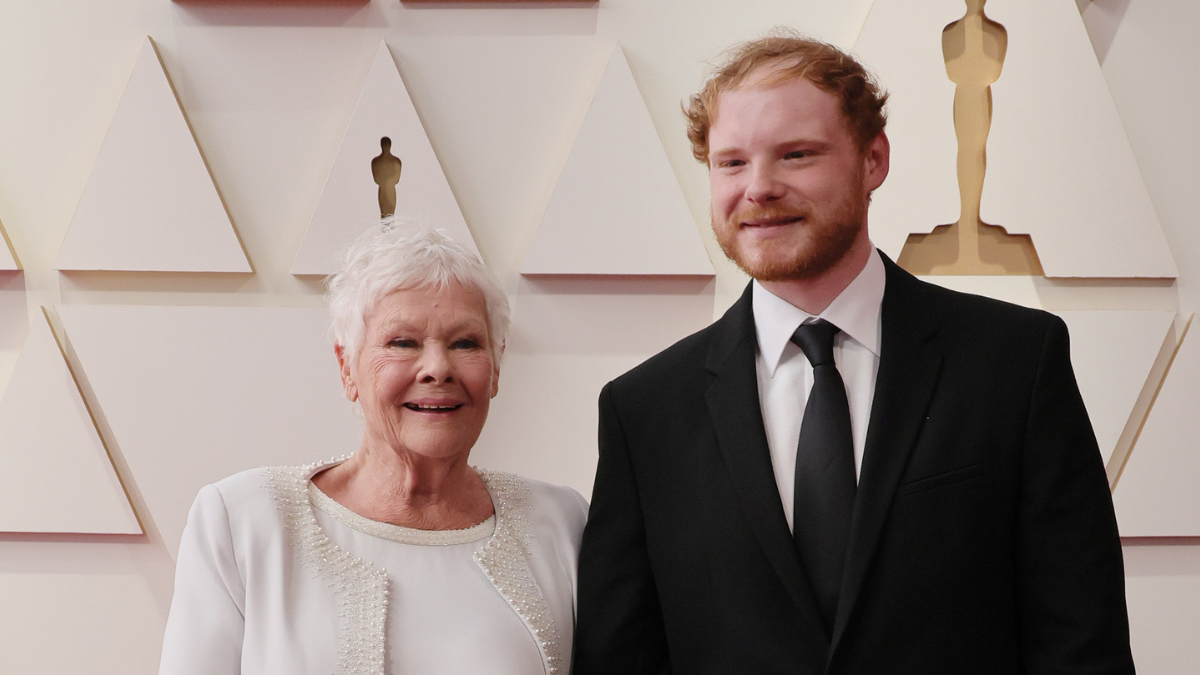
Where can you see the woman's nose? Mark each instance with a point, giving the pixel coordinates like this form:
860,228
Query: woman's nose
435,363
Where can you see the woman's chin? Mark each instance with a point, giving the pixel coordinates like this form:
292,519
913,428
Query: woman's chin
433,446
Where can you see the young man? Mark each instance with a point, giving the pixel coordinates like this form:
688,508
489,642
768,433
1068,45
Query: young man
852,471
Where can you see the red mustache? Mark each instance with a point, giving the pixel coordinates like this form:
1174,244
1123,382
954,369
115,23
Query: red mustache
774,214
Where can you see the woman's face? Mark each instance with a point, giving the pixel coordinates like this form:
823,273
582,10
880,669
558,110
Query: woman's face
425,374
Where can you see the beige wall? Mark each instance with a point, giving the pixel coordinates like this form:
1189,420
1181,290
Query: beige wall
269,88
1149,60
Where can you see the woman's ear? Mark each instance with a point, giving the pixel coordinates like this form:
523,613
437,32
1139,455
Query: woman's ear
496,372
344,367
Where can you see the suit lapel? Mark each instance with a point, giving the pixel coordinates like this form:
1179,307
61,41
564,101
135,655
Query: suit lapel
734,410
908,372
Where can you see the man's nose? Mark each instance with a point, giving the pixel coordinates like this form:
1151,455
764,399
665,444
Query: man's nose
764,184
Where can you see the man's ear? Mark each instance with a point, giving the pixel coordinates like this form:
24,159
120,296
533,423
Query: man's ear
344,367
876,162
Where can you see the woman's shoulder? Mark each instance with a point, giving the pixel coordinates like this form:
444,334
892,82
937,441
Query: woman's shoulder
554,507
245,498
267,481
249,486
244,482
560,497
233,491
258,491
252,509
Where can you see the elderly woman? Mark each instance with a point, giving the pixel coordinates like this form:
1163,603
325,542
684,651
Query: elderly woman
401,558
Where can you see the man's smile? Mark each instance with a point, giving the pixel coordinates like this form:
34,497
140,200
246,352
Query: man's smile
772,222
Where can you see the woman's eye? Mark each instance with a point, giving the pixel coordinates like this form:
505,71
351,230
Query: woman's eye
465,343
796,154
402,343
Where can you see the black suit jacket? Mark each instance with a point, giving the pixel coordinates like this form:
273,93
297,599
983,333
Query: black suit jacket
983,538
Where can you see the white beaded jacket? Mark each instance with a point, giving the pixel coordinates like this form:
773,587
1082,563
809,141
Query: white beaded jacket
261,587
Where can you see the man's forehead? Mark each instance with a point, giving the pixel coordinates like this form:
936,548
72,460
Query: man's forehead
772,89
772,72
774,109
778,75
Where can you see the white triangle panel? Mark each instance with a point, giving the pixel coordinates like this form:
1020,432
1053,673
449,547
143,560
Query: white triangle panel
194,394
1158,493
350,201
60,478
617,208
8,258
901,43
1113,353
1060,167
150,204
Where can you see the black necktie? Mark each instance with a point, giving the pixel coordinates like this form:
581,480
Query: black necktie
825,481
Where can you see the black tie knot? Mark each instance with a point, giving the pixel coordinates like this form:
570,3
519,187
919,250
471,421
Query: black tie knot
815,339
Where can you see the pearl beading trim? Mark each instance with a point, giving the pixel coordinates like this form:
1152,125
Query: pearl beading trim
362,588
505,558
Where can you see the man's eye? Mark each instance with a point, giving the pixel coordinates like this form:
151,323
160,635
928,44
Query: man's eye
796,154
732,163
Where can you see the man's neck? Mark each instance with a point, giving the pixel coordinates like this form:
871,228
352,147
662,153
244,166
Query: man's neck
814,295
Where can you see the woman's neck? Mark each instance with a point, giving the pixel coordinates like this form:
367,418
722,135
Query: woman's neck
415,491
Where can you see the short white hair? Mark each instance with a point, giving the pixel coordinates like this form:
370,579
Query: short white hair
401,254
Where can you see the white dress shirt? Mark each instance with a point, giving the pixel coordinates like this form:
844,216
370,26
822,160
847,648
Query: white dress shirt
785,376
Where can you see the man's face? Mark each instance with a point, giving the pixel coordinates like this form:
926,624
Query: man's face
789,184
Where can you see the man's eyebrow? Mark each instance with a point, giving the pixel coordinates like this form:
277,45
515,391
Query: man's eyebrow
782,146
724,151
806,142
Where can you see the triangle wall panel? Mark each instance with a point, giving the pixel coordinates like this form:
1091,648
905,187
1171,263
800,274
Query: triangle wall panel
1158,493
8,256
901,43
150,204
194,394
60,477
1113,353
1059,166
617,208
350,201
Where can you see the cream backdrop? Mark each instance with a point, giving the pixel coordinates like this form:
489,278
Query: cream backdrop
269,90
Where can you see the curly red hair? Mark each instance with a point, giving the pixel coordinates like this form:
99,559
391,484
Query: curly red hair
790,56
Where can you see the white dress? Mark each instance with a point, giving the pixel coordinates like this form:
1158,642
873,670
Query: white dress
275,577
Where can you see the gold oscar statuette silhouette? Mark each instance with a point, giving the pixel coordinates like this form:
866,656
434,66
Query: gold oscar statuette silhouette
386,170
974,48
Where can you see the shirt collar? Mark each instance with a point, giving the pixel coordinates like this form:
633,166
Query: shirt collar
856,310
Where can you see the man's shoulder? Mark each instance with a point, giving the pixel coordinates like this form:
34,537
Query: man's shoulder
681,366
969,313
